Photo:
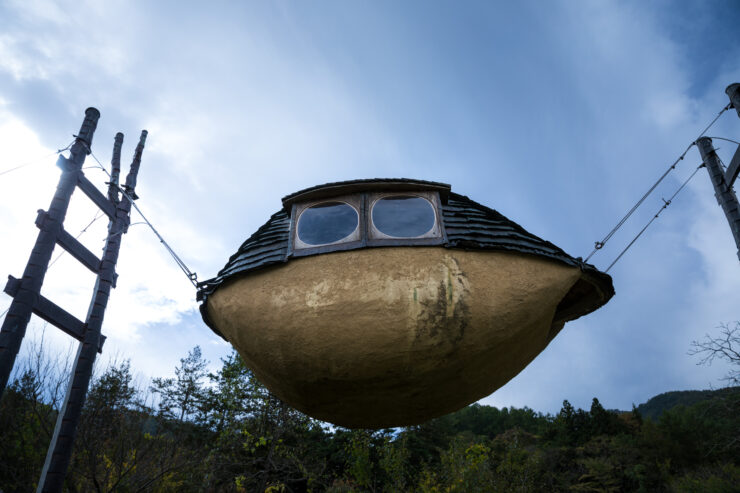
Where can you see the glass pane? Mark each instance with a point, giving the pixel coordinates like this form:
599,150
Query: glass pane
327,223
403,216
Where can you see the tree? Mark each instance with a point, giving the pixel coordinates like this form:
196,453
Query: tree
28,411
724,408
108,434
26,421
259,441
231,397
182,397
120,446
726,347
571,426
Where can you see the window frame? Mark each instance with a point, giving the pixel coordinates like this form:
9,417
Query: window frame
369,234
296,248
376,237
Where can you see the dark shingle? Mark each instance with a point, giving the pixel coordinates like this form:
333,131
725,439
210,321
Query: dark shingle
468,225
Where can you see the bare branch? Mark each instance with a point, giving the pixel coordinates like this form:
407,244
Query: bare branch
725,346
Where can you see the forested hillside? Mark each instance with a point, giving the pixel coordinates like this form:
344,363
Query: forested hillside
657,405
226,432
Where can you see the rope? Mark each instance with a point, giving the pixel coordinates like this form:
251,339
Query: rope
35,161
666,203
600,244
192,276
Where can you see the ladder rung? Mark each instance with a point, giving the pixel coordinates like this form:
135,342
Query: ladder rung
96,196
733,169
72,246
52,313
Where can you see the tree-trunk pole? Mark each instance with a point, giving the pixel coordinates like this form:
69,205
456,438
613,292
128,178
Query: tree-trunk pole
725,195
733,92
19,314
60,450
115,169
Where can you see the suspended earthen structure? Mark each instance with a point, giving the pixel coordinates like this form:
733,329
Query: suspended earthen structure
387,302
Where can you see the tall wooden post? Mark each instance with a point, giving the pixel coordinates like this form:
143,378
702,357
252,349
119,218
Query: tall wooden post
733,170
722,189
60,450
27,293
115,169
733,92
723,180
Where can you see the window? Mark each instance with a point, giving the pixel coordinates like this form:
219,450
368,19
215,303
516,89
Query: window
327,222
335,221
403,216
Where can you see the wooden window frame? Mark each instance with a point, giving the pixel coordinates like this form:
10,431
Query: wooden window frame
369,235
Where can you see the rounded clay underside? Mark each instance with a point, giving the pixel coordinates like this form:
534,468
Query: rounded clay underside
392,336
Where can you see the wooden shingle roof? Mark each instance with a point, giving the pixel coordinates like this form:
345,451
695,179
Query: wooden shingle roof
468,225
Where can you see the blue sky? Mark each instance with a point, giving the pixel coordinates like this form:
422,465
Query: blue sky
557,114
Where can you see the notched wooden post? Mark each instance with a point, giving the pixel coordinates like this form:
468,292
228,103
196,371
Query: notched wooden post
115,169
60,450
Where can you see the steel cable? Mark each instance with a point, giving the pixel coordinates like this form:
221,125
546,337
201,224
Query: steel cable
35,161
600,244
192,276
666,203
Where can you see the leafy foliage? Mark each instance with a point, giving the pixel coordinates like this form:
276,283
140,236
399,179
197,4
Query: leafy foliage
227,432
